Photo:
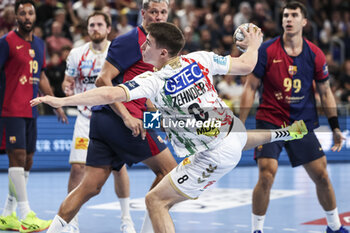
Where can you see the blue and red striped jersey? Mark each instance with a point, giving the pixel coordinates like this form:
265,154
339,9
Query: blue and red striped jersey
21,63
125,54
287,91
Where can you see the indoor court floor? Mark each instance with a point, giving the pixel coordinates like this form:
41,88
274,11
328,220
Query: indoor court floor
225,208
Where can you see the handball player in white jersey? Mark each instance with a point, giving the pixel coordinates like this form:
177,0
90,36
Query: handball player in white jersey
183,90
84,63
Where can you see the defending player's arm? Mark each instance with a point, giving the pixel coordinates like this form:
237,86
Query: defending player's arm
45,88
248,96
330,109
108,73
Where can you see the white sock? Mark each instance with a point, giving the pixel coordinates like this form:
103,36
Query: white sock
258,222
10,205
75,221
333,220
26,176
57,225
23,208
147,225
124,206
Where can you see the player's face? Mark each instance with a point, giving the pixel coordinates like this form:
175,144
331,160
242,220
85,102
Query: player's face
26,17
97,29
150,52
293,21
156,12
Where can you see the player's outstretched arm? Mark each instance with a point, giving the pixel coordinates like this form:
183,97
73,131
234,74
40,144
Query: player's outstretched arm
101,95
259,136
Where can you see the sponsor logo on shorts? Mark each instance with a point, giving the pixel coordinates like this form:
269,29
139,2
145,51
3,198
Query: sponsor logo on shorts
12,139
186,161
259,148
81,143
160,139
206,174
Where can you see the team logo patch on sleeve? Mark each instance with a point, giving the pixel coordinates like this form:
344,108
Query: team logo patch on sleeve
131,84
325,70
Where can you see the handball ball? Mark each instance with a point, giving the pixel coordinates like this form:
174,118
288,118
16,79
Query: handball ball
239,36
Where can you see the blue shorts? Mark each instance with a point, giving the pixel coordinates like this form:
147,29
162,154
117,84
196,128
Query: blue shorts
20,133
299,152
112,144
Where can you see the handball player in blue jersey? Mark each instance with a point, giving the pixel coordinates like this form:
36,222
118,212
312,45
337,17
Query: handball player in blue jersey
22,65
287,67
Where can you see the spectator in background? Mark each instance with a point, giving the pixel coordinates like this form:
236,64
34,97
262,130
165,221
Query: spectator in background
219,16
57,41
46,11
345,83
190,44
8,19
186,15
227,34
60,16
244,14
55,73
123,25
82,9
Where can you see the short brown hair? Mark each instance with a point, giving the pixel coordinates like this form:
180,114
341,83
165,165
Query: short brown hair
105,16
295,5
167,35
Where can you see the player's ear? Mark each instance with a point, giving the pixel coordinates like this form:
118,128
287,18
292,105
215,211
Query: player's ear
304,22
164,52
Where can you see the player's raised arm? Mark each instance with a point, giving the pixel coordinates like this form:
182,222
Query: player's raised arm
245,63
101,95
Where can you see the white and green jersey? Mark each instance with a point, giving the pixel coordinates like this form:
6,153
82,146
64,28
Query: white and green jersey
193,116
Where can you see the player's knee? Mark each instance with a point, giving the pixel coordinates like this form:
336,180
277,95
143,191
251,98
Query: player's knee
322,179
17,158
77,170
266,179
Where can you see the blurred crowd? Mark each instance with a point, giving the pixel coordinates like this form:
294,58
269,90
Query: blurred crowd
207,25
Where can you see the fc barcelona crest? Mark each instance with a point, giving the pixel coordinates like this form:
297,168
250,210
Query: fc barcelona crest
32,53
292,70
12,139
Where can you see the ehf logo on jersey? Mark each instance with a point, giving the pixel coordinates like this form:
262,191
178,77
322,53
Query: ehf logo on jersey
187,76
292,70
220,59
151,120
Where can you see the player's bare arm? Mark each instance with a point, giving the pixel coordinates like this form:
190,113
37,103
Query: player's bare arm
45,88
108,73
330,109
248,95
102,95
245,63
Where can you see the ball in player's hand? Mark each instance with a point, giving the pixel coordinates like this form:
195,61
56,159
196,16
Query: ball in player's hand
239,36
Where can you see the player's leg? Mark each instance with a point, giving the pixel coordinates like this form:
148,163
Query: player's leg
266,156
122,189
158,201
161,164
317,171
261,193
91,185
308,152
77,159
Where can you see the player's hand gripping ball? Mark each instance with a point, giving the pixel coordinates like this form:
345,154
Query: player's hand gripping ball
239,36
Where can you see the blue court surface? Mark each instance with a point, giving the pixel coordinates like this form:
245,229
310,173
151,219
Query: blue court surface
226,207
